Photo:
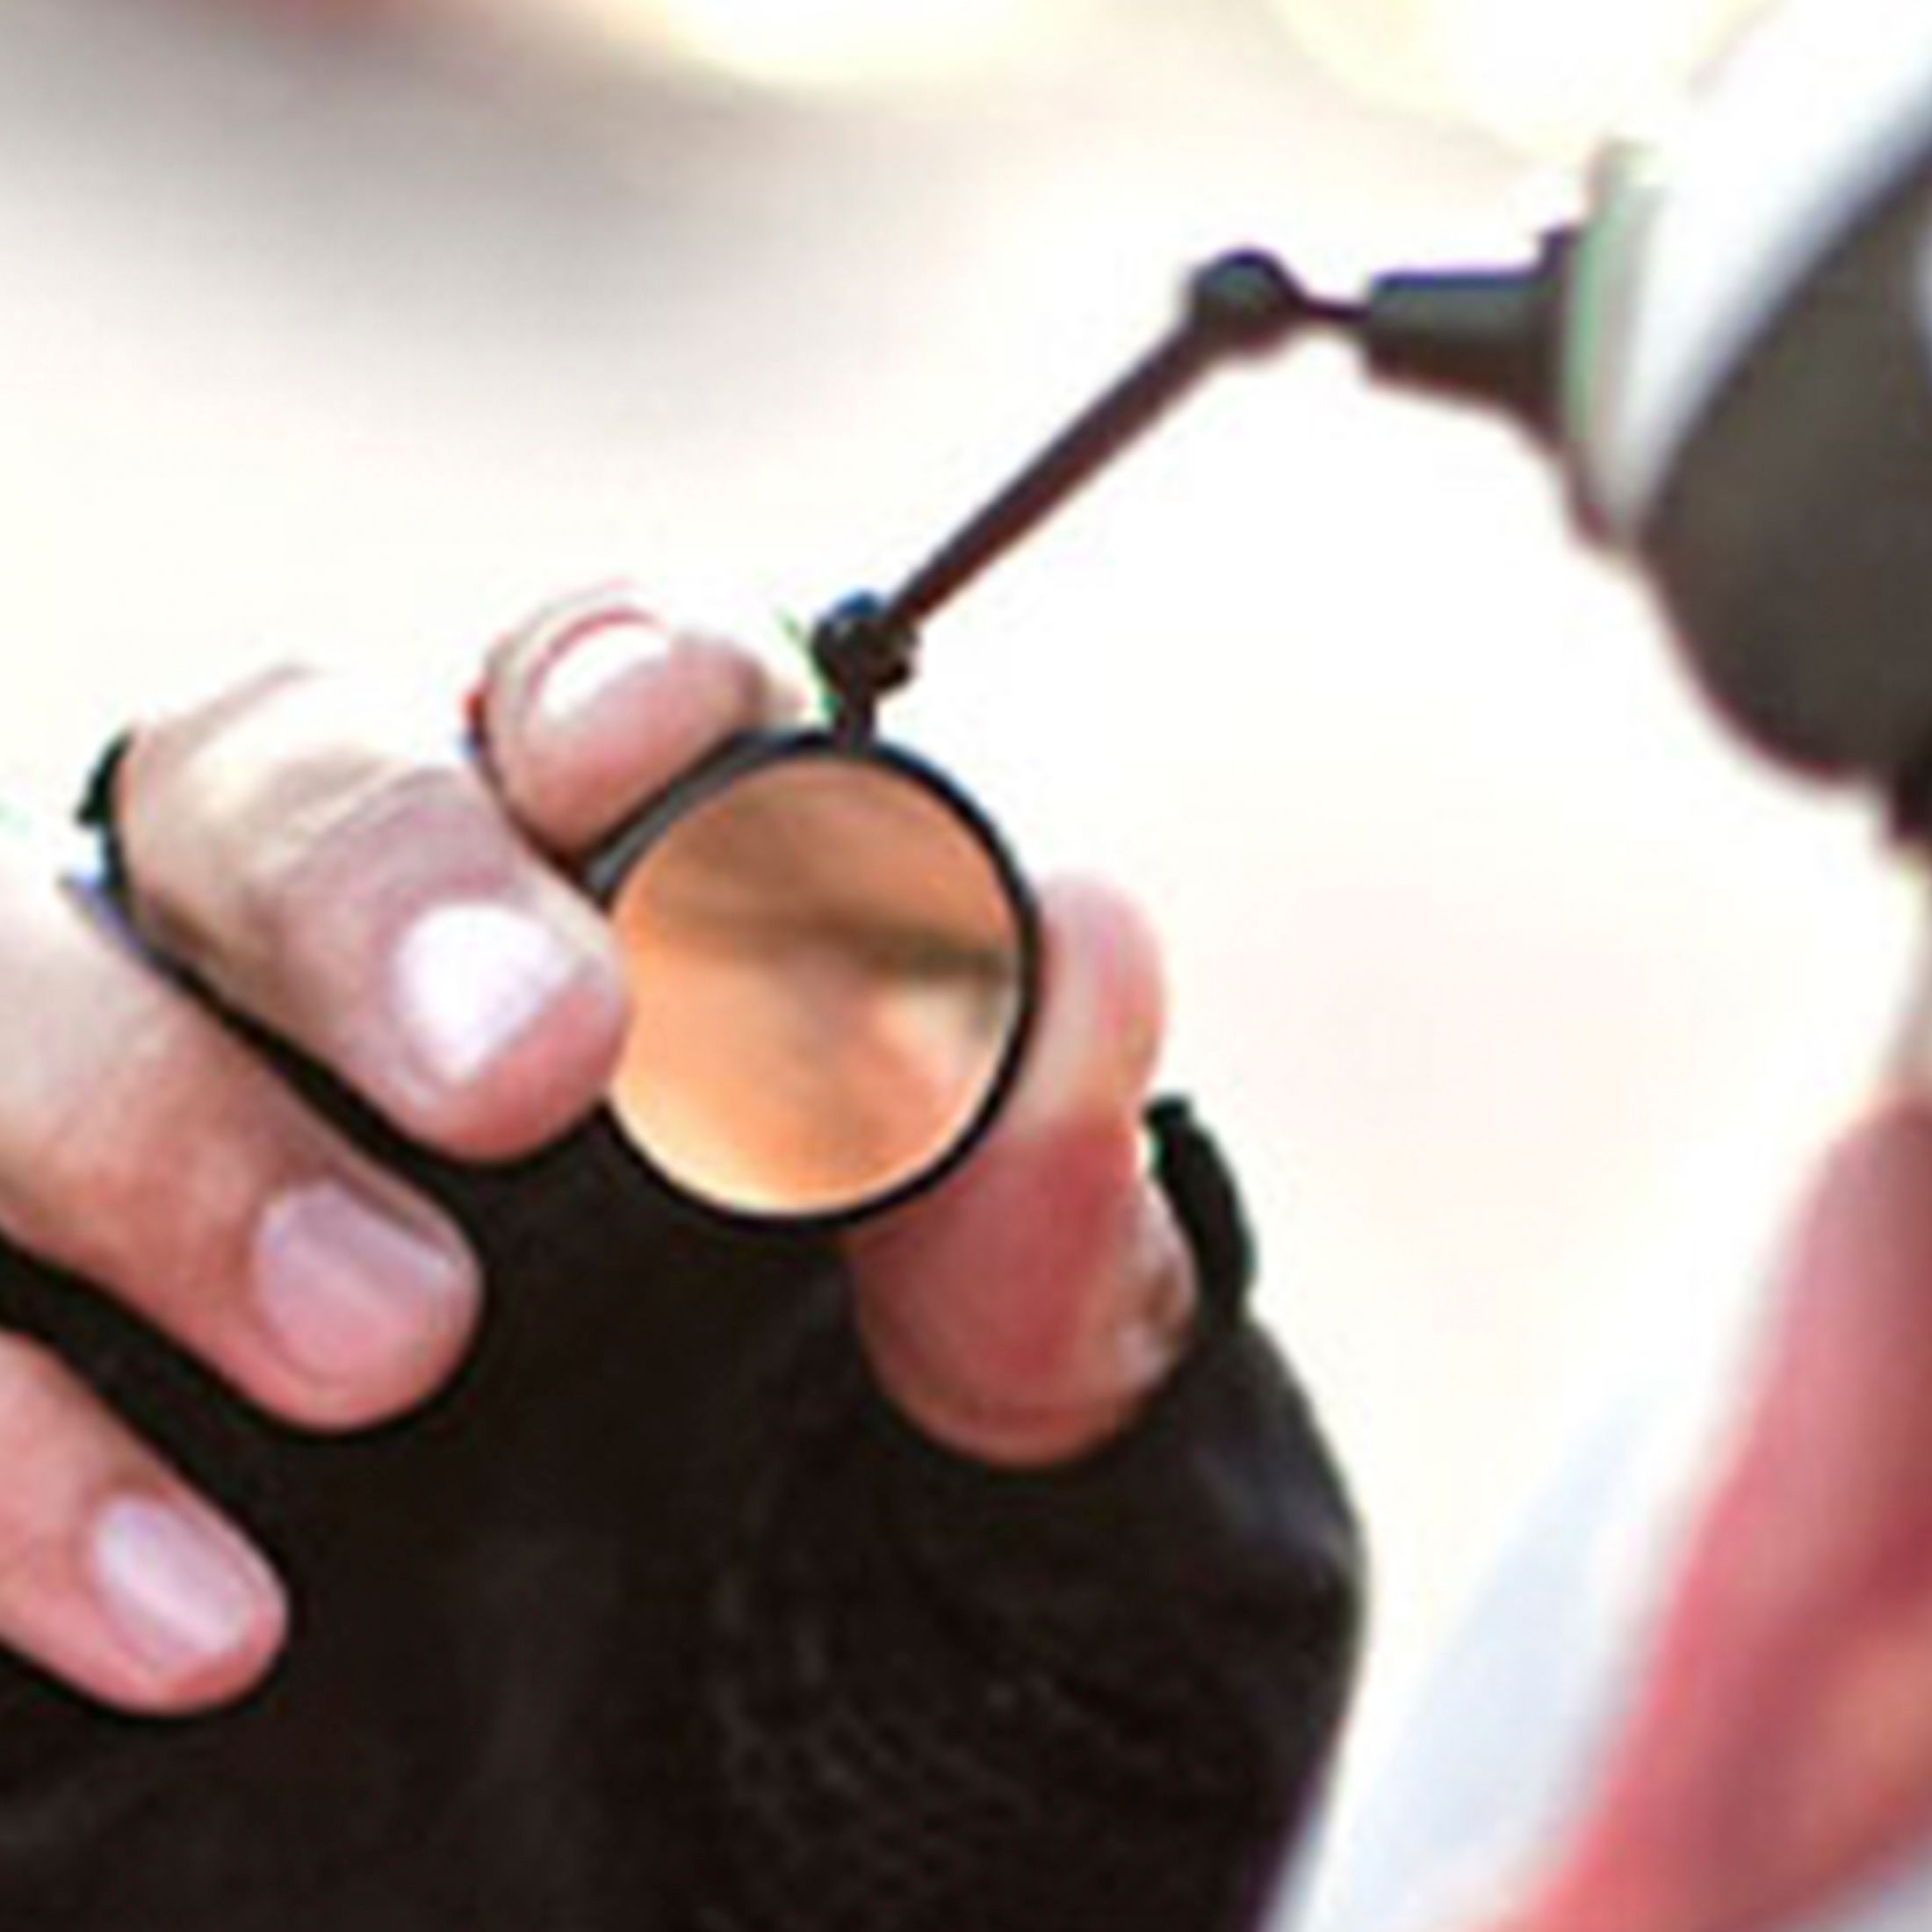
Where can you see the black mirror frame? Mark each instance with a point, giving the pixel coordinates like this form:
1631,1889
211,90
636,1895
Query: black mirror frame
611,863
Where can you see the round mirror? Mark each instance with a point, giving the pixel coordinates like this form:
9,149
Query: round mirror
832,962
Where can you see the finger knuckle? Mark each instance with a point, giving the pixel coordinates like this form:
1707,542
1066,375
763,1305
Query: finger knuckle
185,775
306,900
35,1385
39,1398
328,855
147,1173
227,806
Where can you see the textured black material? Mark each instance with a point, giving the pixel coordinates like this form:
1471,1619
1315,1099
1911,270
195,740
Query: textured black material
96,810
662,1620
1194,1177
1088,1697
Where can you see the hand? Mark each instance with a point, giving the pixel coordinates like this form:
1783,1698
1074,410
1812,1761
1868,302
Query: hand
395,919
1780,1745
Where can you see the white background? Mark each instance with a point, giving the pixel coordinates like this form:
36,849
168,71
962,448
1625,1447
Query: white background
1519,994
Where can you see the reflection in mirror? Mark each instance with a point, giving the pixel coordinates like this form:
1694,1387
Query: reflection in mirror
829,965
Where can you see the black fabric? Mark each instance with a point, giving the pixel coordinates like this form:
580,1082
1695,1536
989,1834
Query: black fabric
661,1619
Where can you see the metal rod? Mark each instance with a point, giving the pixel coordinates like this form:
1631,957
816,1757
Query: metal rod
1237,306
1240,305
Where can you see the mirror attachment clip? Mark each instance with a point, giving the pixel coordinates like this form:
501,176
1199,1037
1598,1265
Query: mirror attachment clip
862,651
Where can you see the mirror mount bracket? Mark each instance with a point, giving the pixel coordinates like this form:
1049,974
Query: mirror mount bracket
863,650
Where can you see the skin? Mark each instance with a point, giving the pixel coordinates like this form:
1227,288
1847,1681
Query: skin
295,853
1779,1749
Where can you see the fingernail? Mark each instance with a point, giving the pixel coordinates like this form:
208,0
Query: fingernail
470,980
597,656
182,1590
350,1292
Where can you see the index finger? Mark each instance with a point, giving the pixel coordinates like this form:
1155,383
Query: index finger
390,911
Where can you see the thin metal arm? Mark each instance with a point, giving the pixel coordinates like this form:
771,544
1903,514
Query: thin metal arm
1240,305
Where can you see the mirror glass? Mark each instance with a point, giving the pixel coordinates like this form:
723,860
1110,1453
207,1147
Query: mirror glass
830,962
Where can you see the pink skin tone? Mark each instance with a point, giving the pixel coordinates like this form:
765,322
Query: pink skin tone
1022,1310
1779,1747
400,922
1780,1744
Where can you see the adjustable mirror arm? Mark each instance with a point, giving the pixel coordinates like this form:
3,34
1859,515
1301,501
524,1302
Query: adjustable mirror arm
1487,334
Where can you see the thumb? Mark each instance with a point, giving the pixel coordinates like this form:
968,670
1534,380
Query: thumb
1022,1310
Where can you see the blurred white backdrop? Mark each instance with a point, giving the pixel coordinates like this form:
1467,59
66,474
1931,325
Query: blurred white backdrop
351,332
